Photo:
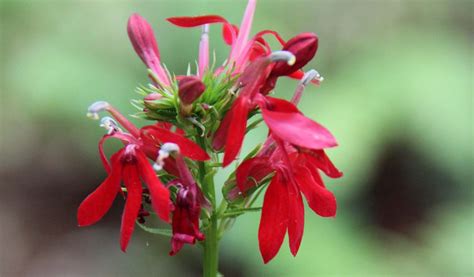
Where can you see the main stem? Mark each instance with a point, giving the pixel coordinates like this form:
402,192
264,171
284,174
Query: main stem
211,248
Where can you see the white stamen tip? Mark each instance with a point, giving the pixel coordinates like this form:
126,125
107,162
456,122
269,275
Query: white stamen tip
205,29
95,108
110,125
157,167
310,76
164,153
277,56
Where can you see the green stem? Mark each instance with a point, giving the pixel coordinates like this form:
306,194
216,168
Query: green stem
211,249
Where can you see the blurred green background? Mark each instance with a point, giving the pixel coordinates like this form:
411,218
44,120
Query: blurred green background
397,94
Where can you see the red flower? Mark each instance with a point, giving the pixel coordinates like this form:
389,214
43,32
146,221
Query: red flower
186,214
296,172
188,203
283,118
131,166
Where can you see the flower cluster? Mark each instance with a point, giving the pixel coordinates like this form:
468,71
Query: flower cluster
199,116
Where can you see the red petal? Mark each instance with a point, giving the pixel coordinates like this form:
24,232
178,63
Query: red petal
96,205
194,21
296,217
155,135
320,200
160,196
257,51
270,32
297,129
220,136
103,158
322,161
281,105
274,220
132,205
229,33
237,129
256,168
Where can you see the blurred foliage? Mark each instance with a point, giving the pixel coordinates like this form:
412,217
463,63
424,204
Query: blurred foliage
395,71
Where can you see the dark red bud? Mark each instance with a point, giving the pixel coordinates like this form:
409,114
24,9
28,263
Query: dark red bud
304,47
190,88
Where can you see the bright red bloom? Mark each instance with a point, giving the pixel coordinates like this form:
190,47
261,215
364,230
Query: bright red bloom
296,172
283,117
131,166
188,203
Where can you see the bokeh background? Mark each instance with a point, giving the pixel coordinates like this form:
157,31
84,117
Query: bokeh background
397,94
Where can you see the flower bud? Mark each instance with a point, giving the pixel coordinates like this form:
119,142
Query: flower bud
304,47
143,40
155,101
190,88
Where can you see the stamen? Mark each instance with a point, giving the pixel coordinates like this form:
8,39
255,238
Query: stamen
110,125
277,56
100,106
164,153
310,76
204,50
97,107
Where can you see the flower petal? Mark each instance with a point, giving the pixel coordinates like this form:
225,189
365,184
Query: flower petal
96,205
160,195
322,161
274,220
194,21
256,168
229,33
132,204
155,135
295,128
220,136
320,200
236,133
103,158
296,217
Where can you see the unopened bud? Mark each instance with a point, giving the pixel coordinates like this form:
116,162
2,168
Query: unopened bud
155,101
304,47
190,88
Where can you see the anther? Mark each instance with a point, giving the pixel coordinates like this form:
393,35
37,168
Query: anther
310,76
277,56
109,124
97,107
165,151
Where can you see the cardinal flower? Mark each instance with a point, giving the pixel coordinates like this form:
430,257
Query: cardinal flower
188,203
294,152
130,165
232,129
